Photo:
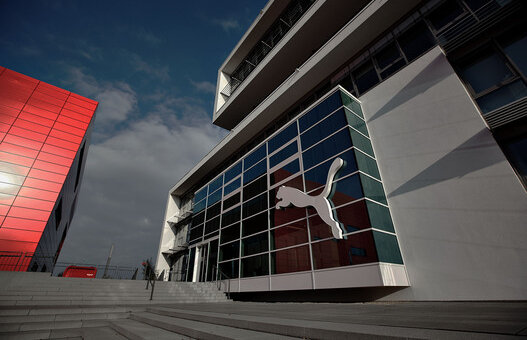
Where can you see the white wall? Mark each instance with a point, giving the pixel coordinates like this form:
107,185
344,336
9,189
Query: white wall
459,210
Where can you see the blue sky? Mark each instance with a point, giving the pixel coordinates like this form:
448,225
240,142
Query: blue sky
153,68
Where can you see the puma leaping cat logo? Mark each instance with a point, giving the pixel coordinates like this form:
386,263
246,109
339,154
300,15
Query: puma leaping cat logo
291,196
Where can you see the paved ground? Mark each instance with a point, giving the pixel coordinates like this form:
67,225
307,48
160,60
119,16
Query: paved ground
505,318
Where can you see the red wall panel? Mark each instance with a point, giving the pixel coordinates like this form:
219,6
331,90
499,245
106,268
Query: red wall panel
41,129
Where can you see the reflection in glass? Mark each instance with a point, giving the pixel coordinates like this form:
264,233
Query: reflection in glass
255,244
282,138
290,260
289,235
284,172
255,224
283,154
255,266
230,268
355,249
230,251
317,176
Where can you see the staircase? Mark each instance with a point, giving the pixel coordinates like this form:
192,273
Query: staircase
39,306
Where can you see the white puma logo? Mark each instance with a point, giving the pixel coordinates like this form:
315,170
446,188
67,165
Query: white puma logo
291,196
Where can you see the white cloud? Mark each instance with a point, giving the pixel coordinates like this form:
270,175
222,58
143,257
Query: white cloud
127,178
116,100
204,86
226,24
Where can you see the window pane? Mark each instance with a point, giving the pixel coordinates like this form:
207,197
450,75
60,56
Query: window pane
502,96
322,151
367,164
212,225
255,171
255,266
200,195
255,224
255,205
320,111
351,104
230,233
485,71
380,216
361,142
198,219
346,190
285,172
231,216
365,77
199,206
317,176
232,186
445,14
416,41
282,216
230,268
214,185
373,189
230,251
254,157
517,51
355,249
387,56
215,197
283,154
290,260
289,235
323,129
387,248
255,188
353,216
213,211
255,244
196,233
282,138
356,122
231,201
233,172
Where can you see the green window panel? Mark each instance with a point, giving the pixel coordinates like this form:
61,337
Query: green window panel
387,248
351,104
379,216
361,142
373,189
367,164
356,122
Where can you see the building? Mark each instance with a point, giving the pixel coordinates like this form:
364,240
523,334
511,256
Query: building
426,104
44,138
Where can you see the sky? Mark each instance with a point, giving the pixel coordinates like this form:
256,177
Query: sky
152,65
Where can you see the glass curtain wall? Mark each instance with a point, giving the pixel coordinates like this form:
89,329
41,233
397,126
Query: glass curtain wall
257,239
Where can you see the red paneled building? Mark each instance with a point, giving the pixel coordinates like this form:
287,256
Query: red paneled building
44,137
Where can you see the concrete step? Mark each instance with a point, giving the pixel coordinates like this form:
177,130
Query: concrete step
79,303
278,326
50,325
136,330
201,330
91,333
16,311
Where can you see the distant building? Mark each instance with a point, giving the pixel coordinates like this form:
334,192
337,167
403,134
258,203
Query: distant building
426,104
44,137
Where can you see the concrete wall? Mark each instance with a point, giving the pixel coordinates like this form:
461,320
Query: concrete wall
459,210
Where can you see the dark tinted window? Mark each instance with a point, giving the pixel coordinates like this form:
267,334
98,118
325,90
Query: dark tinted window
230,233
199,206
416,41
323,129
255,188
283,154
346,190
445,14
254,157
317,176
255,224
255,205
196,233
255,244
256,171
282,138
232,186
230,268
233,172
290,260
214,185
231,216
255,266
198,219
231,201
212,225
215,197
230,251
322,151
58,214
365,77
284,172
389,60
320,111
200,195
355,249
214,210
289,235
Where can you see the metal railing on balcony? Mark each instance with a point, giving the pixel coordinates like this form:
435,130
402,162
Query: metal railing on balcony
271,37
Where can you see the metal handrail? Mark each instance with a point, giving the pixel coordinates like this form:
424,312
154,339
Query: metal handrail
150,277
220,273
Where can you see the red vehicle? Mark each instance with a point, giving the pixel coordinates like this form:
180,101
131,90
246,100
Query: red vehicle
77,271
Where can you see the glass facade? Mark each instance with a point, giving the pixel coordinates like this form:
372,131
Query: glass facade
235,212
43,137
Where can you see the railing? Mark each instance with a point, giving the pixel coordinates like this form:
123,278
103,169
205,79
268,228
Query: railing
219,277
150,276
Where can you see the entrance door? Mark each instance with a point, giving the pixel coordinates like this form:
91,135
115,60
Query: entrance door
202,265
